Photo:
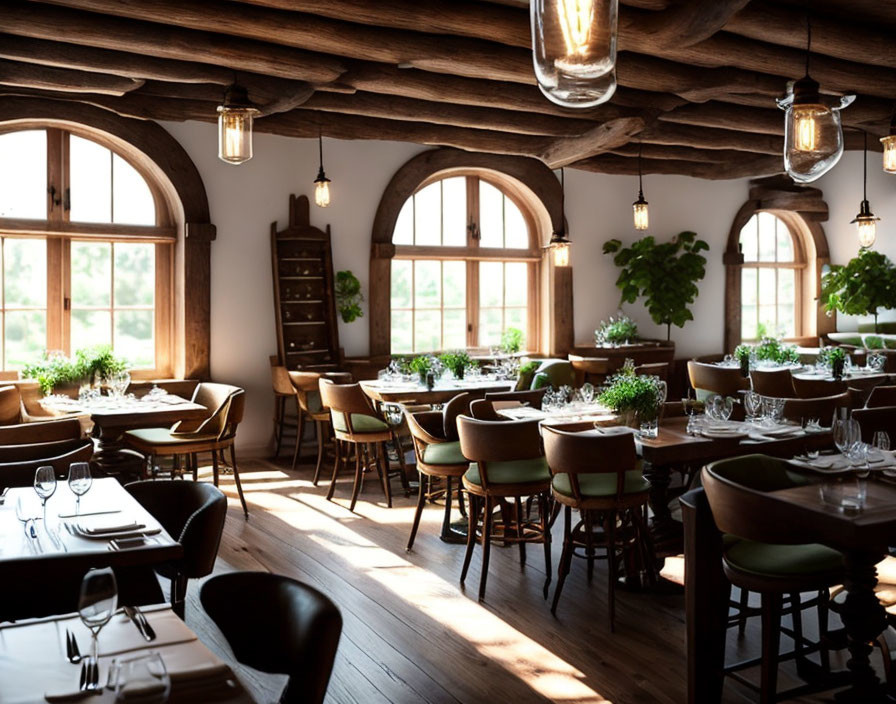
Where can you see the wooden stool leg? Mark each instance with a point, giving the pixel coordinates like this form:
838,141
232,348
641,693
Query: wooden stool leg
421,500
401,463
543,508
449,498
473,515
279,416
319,429
565,557
195,464
771,635
300,431
486,545
824,652
519,530
610,528
215,467
356,488
337,463
589,541
383,456
236,478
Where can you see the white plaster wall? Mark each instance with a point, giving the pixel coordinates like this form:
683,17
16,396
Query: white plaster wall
245,200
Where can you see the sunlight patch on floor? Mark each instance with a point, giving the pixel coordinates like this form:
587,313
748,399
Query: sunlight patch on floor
443,602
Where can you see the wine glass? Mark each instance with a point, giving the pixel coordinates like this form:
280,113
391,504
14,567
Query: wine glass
142,678
726,407
79,481
846,433
97,602
587,392
881,441
45,485
752,404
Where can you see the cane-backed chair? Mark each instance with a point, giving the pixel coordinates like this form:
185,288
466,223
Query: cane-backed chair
507,464
597,474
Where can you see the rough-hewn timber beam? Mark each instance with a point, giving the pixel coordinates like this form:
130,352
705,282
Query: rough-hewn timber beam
674,153
683,24
75,27
22,75
566,150
706,138
612,164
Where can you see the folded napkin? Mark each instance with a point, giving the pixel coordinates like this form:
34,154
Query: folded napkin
99,525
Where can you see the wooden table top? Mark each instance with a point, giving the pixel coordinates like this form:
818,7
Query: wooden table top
443,391
59,547
133,413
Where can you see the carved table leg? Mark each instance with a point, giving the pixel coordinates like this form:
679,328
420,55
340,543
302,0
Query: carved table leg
864,618
666,531
111,458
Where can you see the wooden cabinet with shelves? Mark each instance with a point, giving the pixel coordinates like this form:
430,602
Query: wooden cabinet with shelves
304,304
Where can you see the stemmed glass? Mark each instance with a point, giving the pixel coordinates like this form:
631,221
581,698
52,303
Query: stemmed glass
142,678
97,603
752,404
45,485
79,481
846,433
881,441
587,392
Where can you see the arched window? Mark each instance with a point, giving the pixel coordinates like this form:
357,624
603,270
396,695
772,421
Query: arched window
87,248
771,284
466,266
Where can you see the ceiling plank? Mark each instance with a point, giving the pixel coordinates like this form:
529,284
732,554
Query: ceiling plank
675,153
22,75
682,24
74,27
706,138
566,150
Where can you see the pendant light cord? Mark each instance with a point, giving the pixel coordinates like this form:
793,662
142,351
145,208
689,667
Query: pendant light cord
865,168
320,146
640,181
808,39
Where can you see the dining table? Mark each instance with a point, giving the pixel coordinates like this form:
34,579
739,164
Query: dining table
35,665
403,391
109,529
567,414
112,416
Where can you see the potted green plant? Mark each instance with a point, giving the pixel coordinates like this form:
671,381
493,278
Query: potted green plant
666,275
863,286
637,399
456,362
771,349
422,366
90,365
512,340
836,358
347,290
742,354
620,330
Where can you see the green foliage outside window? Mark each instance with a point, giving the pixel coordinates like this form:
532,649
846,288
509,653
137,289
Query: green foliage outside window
863,286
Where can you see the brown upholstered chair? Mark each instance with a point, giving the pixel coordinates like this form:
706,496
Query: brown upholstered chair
708,379
483,410
438,457
881,396
10,406
598,475
357,424
593,370
41,431
775,383
823,409
307,389
213,435
284,400
816,388
19,462
530,397
871,420
507,464
659,369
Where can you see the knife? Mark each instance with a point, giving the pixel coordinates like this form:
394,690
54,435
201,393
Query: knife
139,620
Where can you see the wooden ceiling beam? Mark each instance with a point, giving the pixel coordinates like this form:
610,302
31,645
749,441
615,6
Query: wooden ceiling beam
23,75
707,138
675,153
616,165
786,26
567,150
84,28
683,24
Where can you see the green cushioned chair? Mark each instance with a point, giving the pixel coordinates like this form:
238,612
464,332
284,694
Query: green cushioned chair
771,555
312,410
554,373
597,474
507,464
361,423
444,453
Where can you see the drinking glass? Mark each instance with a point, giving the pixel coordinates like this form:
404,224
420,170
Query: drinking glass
711,407
726,407
752,404
846,433
881,441
142,678
79,481
97,602
45,485
587,392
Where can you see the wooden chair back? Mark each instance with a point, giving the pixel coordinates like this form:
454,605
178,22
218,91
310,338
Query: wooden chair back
591,369
532,397
10,406
483,410
280,380
345,400
40,431
775,383
38,450
459,405
871,420
215,397
307,386
726,381
736,489
21,473
881,396
822,408
659,369
816,388
425,426
233,416
589,453
484,441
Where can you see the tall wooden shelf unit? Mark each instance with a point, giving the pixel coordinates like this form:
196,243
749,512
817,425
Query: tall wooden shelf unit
304,302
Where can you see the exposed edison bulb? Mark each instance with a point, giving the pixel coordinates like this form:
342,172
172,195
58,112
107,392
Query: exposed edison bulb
889,143
642,218
866,225
235,133
322,191
805,126
561,254
574,50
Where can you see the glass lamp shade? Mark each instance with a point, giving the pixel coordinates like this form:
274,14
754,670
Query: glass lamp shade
322,191
813,135
889,143
866,225
574,50
235,133
561,254
639,207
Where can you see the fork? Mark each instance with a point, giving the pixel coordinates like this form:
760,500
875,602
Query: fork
90,676
72,652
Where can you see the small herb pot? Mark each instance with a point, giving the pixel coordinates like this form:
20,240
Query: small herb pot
837,369
745,367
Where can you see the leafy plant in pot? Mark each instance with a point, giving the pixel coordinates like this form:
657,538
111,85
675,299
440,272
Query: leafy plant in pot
665,274
862,286
637,399
771,349
620,330
423,367
456,362
742,354
836,358
90,365
349,298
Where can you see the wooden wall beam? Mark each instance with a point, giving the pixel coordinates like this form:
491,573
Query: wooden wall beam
85,28
24,75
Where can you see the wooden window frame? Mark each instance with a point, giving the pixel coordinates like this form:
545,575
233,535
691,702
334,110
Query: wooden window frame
58,231
472,253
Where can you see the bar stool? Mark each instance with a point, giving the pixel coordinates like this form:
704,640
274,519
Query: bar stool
283,392
306,387
506,464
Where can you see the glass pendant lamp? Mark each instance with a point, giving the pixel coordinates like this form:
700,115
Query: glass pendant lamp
559,242
321,183
235,118
574,50
813,135
889,143
865,221
639,207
